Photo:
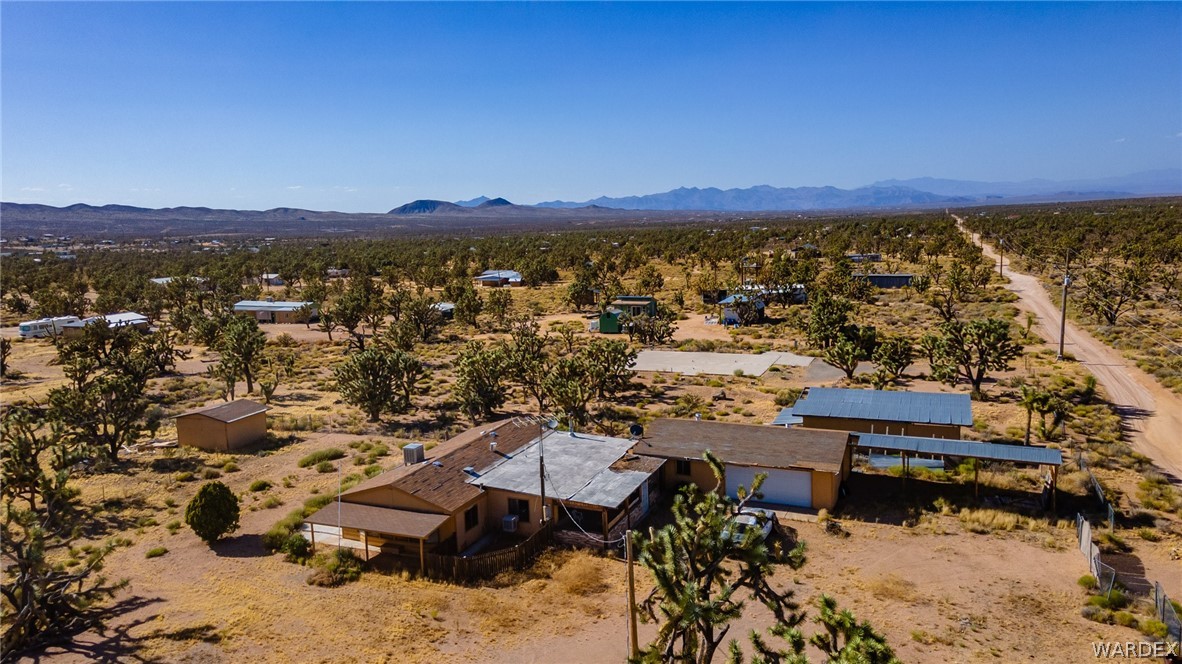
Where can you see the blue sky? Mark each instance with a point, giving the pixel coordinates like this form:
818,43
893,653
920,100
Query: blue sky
365,106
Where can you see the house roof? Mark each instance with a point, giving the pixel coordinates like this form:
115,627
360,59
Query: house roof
262,305
113,320
746,444
910,407
580,467
786,418
962,448
387,520
445,485
871,275
230,412
490,275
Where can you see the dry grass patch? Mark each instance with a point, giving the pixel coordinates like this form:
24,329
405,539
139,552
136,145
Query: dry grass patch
893,587
582,574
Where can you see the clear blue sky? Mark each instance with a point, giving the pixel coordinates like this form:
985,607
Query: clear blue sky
365,106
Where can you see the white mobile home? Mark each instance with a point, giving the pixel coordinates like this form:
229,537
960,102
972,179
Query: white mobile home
45,327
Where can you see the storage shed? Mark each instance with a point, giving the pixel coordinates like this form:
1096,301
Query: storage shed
925,414
225,427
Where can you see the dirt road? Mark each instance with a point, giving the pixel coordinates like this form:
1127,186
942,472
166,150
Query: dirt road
1152,413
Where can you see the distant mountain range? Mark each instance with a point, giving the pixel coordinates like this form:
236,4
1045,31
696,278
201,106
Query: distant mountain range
918,192
484,214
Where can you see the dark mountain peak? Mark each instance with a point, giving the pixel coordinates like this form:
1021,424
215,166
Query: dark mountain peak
427,206
494,202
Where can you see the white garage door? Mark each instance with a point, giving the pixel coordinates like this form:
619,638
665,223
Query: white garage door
782,487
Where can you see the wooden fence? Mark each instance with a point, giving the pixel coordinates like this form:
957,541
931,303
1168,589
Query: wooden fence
463,569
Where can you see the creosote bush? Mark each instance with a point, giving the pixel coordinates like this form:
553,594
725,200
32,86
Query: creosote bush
320,456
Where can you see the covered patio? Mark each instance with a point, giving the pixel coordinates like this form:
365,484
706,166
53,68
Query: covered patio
402,534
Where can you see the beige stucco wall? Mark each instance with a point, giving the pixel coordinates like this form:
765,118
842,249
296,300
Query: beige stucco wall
825,486
950,431
498,507
700,474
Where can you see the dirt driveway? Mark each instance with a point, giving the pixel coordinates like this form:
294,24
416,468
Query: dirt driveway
1153,413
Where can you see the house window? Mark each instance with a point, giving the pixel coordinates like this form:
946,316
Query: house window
520,508
683,467
472,517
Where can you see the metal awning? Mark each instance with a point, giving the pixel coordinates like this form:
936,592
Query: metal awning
939,447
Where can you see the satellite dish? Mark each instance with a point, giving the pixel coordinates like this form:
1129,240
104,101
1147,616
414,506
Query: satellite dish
552,423
636,431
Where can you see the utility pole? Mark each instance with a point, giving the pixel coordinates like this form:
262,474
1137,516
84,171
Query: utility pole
1001,255
633,639
1063,313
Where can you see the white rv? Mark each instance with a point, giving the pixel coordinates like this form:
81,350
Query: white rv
45,327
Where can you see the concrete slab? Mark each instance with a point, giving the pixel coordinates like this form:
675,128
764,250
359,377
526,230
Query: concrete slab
715,364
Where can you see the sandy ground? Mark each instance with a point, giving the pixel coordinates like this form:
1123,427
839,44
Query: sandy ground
1152,413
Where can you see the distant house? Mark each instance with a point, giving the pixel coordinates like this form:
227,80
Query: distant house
495,278
45,327
225,427
272,279
864,258
896,280
632,305
165,281
713,296
923,414
804,467
268,311
445,309
337,272
454,499
113,321
731,304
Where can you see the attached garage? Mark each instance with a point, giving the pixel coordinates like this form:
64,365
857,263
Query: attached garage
804,467
782,487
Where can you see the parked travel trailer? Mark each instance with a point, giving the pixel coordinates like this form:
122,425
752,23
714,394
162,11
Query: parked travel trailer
45,327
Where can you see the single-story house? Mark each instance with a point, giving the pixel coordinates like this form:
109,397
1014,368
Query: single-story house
445,309
224,427
895,280
923,414
336,272
804,467
270,311
632,305
495,278
714,296
272,279
122,319
456,497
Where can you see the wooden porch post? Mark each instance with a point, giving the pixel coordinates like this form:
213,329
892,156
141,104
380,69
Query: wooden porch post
422,556
312,534
603,514
365,544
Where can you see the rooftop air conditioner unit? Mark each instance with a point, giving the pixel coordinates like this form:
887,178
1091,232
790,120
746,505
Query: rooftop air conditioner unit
509,523
413,453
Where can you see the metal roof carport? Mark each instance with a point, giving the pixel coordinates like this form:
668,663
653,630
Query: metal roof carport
939,448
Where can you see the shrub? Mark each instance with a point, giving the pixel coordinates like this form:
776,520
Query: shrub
296,548
1149,534
335,569
325,467
230,467
787,397
213,512
1125,619
210,474
156,552
1097,614
319,456
173,526
1088,582
1153,628
1112,543
272,502
260,485
185,477
372,470
1112,601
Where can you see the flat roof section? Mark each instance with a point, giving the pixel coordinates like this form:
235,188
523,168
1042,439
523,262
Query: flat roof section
909,407
385,520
